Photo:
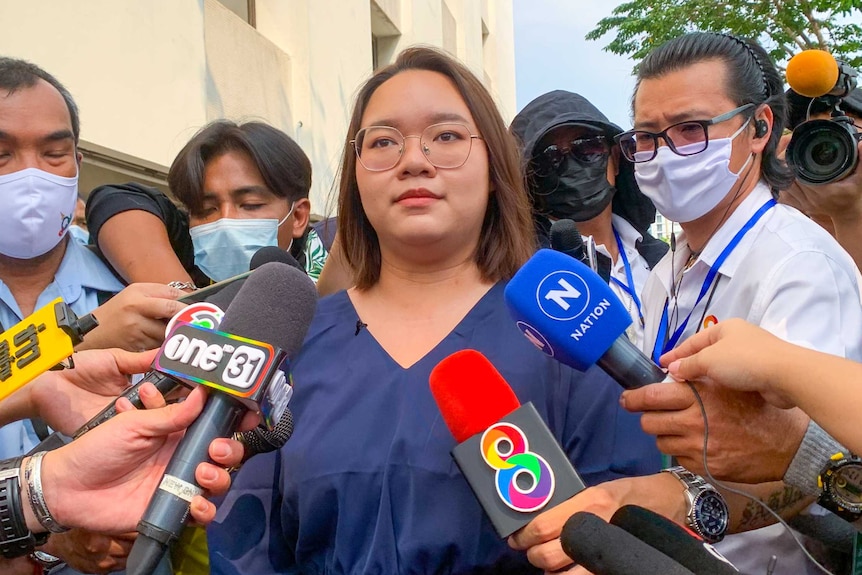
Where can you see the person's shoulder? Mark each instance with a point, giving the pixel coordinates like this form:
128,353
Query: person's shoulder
791,231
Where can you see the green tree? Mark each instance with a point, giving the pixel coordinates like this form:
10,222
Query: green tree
783,27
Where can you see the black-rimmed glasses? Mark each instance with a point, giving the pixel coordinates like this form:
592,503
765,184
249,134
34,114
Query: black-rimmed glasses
584,150
446,145
684,139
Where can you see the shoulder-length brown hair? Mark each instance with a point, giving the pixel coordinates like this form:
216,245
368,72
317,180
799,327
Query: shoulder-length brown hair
507,238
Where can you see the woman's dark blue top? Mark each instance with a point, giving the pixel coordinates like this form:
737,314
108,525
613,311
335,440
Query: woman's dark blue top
366,483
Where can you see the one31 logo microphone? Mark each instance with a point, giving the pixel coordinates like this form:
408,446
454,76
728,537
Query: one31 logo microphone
525,481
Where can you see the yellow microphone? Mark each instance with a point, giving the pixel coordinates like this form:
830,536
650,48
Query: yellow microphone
38,343
812,73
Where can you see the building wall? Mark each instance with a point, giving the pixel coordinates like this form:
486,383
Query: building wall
148,73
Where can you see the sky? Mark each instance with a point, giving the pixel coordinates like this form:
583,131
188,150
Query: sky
551,53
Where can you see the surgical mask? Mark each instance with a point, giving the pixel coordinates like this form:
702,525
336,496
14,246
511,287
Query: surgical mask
38,208
577,190
224,248
685,188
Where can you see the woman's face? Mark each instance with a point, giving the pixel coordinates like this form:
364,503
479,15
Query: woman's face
415,203
234,188
696,92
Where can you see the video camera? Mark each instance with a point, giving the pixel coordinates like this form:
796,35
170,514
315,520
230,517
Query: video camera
823,151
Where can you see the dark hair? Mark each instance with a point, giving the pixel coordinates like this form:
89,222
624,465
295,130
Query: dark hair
283,165
16,74
507,239
751,77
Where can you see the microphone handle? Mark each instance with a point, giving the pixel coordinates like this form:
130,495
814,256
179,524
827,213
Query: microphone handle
167,512
628,366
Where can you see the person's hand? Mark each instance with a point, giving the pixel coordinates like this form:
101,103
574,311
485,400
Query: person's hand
67,399
840,200
104,480
90,552
134,319
540,538
750,441
735,354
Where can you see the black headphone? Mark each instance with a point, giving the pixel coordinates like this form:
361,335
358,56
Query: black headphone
760,128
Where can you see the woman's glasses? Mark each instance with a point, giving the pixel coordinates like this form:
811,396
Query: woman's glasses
446,145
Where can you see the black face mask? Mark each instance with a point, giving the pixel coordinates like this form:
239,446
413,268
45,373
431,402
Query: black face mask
576,191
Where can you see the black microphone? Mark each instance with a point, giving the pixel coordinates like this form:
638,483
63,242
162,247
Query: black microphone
673,540
566,239
605,549
273,309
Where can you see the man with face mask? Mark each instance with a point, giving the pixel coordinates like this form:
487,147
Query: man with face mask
574,171
39,164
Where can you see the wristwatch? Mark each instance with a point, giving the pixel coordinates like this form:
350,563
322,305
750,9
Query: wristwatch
707,515
840,483
45,560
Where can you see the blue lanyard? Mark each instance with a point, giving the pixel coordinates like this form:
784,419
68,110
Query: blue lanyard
669,344
630,288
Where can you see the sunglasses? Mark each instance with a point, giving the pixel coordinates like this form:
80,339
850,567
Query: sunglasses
584,150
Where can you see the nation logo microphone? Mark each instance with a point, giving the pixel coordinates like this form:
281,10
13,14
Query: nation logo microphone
512,462
568,312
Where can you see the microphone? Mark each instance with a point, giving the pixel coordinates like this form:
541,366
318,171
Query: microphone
605,549
40,342
230,286
673,540
565,238
240,362
812,73
570,314
508,455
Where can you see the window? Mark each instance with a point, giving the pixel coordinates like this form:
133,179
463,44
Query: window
245,9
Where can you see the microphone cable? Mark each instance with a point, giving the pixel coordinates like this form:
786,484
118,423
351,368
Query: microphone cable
744,494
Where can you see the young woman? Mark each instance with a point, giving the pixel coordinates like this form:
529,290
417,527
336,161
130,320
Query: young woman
434,219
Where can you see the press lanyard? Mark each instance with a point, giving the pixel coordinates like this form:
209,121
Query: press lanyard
630,288
658,348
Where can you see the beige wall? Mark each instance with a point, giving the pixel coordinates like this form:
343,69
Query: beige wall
148,73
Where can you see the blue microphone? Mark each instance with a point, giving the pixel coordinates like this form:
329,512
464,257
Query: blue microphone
567,311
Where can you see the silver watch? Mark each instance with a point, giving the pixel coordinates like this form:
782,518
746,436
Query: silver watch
45,560
707,515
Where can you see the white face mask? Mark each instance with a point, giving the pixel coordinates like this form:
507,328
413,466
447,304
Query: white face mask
685,188
224,248
38,208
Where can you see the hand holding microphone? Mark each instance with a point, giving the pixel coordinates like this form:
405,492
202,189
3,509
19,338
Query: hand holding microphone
239,373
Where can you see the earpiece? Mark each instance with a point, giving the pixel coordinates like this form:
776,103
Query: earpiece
760,128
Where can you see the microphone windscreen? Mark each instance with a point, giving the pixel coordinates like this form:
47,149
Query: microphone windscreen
566,309
471,393
671,539
269,254
566,238
273,287
605,549
812,73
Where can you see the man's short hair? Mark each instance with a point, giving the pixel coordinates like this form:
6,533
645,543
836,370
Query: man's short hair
17,74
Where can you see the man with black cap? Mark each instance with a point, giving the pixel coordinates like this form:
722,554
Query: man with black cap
574,171
837,206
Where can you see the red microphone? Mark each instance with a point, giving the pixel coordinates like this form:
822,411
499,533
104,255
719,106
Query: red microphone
512,462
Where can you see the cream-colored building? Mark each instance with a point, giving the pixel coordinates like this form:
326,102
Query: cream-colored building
146,74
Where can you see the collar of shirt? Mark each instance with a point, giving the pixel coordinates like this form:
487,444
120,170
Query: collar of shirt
79,269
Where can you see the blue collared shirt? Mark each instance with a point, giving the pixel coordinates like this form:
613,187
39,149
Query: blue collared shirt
79,280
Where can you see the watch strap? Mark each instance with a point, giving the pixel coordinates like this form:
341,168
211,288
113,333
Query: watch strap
16,540
695,487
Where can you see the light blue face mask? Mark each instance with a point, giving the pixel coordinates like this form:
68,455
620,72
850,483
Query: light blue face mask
223,248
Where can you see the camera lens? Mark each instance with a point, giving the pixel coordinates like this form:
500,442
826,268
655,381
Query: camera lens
822,151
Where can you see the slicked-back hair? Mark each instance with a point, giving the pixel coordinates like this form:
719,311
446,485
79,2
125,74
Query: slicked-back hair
750,78
282,164
507,238
19,74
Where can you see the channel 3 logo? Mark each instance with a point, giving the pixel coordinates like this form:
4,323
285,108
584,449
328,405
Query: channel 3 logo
524,479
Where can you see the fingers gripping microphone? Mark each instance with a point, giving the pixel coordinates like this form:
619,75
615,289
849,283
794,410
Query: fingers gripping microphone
243,372
513,464
673,540
605,549
569,313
